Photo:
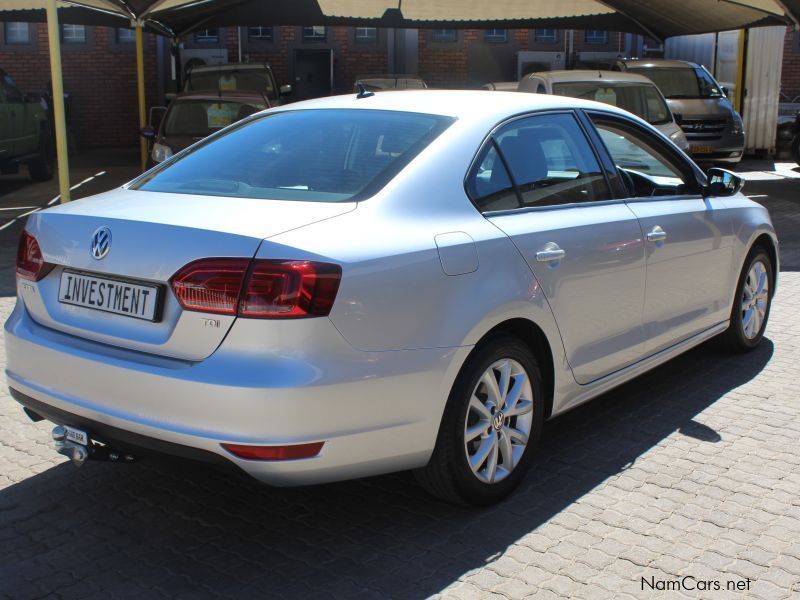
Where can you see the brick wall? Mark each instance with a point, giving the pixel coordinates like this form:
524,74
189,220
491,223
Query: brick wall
100,75
790,75
351,59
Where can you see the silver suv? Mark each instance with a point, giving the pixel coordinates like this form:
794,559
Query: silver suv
700,105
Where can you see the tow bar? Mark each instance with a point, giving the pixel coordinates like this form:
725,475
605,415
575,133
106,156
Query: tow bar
79,454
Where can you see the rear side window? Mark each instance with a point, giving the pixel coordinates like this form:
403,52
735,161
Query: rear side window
326,155
546,159
643,100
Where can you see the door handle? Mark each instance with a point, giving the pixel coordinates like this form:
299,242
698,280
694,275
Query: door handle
550,252
657,234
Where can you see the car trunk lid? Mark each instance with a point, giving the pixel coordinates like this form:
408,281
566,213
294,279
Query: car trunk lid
153,235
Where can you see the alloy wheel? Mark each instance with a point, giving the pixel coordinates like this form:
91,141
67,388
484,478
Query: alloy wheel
755,298
498,421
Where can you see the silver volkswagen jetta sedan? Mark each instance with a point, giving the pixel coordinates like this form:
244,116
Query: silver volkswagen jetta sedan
363,284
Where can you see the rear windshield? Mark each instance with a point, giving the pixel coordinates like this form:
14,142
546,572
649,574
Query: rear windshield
327,155
643,100
255,80
682,82
199,118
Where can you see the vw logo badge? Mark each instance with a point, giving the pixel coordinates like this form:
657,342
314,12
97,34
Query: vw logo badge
101,243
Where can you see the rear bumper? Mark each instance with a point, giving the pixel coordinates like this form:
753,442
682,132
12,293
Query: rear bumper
377,412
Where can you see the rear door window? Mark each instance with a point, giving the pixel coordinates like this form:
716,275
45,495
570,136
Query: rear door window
546,159
325,155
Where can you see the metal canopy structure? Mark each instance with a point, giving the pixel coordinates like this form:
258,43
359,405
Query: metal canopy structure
658,19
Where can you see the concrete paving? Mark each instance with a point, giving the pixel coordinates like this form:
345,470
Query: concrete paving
685,480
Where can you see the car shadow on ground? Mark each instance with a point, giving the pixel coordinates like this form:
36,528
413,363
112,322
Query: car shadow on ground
183,528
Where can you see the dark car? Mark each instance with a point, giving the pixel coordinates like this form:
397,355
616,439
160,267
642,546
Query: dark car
255,77
195,115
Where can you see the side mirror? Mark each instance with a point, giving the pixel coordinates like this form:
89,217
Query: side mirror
285,90
170,96
156,115
723,183
726,91
148,133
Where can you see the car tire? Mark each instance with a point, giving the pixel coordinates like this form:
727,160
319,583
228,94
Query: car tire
753,300
42,168
449,474
796,148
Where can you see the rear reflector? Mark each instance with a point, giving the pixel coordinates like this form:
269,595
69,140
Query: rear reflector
266,289
30,262
292,452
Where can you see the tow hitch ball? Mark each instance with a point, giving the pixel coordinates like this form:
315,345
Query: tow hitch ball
79,454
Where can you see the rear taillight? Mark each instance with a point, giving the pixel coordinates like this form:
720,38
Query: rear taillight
30,262
289,288
266,289
211,285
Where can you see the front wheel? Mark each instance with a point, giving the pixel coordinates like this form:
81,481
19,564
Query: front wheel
751,304
491,423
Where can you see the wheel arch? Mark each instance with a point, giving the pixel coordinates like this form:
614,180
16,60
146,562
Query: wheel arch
767,242
535,338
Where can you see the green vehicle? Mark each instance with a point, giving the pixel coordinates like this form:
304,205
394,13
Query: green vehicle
25,134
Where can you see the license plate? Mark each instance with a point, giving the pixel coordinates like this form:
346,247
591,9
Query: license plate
702,149
77,436
110,295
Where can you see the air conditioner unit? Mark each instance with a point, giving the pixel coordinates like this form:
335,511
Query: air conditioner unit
531,62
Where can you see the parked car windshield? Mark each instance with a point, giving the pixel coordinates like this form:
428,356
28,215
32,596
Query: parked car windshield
200,118
328,155
255,80
681,82
642,100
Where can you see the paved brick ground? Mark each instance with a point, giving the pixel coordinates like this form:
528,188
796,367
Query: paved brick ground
692,470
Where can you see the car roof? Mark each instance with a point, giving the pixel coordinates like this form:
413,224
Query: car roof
467,105
591,75
235,95
657,62
229,67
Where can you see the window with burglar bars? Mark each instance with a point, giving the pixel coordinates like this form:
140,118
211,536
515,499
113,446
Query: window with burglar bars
73,34
260,33
496,36
17,33
314,33
546,36
207,36
366,35
444,35
125,36
595,36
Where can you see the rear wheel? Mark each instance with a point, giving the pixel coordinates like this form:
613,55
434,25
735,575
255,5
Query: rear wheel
751,304
42,167
492,421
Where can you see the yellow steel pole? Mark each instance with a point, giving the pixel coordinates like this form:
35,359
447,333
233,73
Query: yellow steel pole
140,89
54,40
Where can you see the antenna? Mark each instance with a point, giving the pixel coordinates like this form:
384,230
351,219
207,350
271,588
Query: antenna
363,92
